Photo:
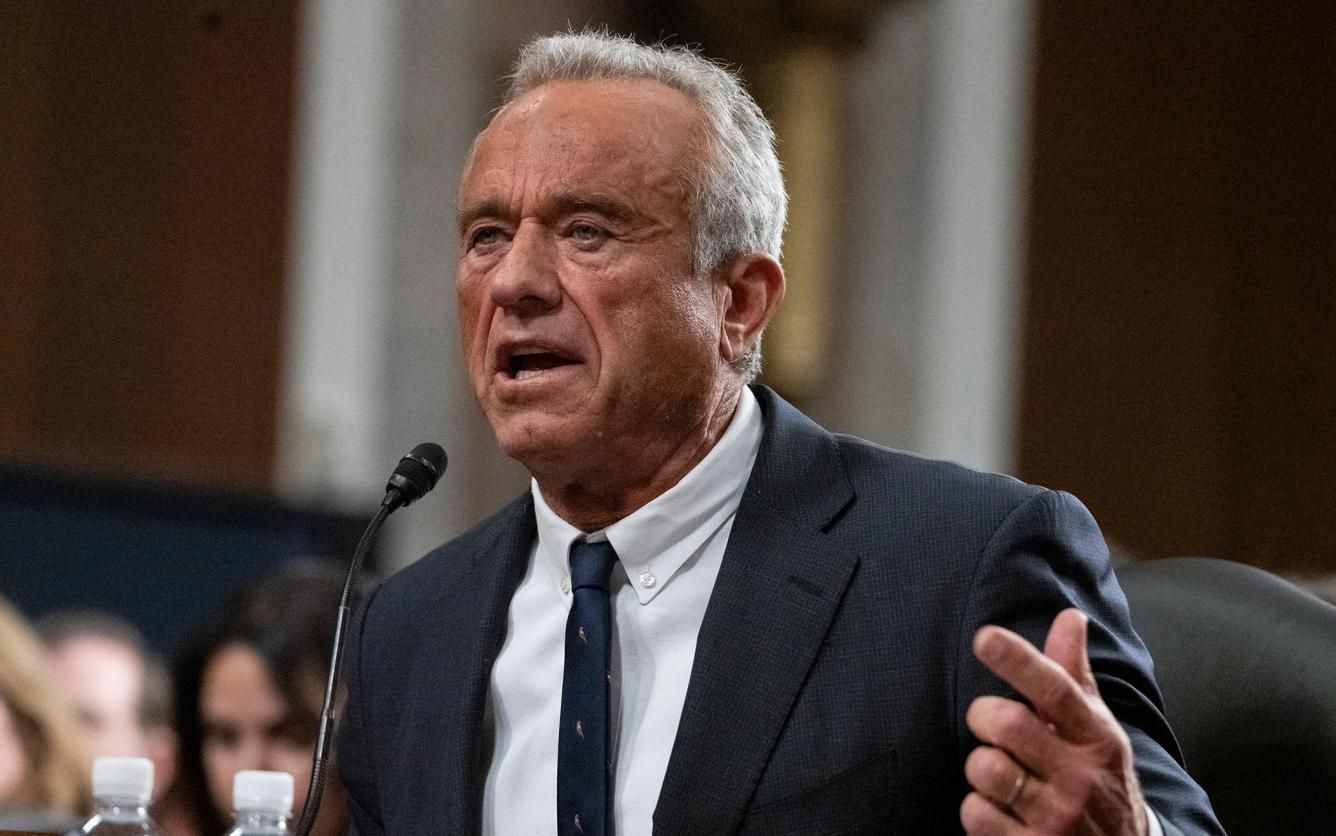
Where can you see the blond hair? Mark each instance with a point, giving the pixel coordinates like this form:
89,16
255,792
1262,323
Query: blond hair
58,779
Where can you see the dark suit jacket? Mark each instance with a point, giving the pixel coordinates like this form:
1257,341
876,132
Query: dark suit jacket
833,668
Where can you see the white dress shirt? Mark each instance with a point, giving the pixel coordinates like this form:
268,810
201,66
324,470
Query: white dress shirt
668,556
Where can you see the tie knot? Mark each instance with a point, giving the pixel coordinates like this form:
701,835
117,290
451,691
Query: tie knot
591,565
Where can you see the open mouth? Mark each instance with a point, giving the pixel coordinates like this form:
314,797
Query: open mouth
526,365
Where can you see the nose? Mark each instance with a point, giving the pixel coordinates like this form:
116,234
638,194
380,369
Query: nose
270,760
252,753
526,281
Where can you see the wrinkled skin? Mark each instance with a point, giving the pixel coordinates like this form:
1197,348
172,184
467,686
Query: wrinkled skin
598,353
1079,769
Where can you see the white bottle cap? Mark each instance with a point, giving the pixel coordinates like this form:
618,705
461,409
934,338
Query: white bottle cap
123,778
267,791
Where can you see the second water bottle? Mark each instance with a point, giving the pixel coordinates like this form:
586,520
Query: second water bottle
263,803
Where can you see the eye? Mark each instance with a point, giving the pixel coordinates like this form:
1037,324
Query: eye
586,232
484,237
219,735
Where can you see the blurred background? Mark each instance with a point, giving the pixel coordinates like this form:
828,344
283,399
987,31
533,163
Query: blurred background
1088,244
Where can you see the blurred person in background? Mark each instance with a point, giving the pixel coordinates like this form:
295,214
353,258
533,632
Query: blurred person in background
248,694
44,769
120,690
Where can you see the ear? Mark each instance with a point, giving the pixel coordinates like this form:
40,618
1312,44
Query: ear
749,291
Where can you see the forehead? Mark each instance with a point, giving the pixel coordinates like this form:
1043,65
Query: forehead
627,134
235,680
96,658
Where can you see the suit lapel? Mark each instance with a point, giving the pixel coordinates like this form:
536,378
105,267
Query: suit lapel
479,625
778,590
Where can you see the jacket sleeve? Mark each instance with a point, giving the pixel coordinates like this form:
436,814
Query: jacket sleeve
1047,555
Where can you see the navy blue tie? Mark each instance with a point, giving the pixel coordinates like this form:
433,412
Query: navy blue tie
584,745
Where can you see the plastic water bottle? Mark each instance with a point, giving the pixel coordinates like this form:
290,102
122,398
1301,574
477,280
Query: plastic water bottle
121,789
263,801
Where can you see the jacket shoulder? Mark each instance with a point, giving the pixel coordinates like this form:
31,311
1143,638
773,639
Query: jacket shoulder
452,560
916,482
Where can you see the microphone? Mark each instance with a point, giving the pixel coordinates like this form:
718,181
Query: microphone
415,475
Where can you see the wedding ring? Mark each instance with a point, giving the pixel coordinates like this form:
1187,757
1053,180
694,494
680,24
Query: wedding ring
1016,789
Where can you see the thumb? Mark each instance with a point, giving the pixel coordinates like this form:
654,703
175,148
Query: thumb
1066,645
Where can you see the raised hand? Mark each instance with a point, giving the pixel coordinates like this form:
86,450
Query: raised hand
1059,765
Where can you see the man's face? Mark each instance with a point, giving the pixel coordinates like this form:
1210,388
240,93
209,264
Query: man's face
586,332
105,680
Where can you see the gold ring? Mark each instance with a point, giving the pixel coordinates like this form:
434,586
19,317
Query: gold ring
1016,789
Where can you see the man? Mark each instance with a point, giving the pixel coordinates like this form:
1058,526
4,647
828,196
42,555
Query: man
119,689
709,615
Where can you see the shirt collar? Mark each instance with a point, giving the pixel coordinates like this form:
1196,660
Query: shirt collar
658,539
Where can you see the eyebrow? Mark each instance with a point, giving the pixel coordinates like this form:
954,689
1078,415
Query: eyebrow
569,203
558,205
470,212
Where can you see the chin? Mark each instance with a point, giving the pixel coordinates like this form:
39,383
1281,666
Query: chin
530,441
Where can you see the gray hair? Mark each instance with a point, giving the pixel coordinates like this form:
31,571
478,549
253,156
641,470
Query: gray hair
737,197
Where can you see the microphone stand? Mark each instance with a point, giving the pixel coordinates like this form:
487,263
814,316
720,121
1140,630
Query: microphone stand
320,763
415,475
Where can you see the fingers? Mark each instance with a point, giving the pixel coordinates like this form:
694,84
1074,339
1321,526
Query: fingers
1050,767
998,778
1053,692
981,817
1003,789
1009,725
1066,645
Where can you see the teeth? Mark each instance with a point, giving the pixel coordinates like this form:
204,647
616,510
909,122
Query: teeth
516,364
527,373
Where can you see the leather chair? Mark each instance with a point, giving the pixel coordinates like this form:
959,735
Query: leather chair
1247,664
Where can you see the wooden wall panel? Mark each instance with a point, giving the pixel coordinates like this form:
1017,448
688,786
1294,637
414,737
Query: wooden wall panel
1178,367
148,234
1283,97
22,125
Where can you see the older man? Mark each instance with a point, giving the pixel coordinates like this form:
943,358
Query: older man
709,615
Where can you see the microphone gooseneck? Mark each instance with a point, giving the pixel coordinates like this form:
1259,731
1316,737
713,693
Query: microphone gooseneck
415,475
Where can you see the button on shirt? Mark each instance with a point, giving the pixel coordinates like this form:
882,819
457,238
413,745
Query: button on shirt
669,553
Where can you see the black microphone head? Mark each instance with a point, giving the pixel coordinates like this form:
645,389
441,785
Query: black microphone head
415,474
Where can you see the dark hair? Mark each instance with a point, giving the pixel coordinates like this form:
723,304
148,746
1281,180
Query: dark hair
288,620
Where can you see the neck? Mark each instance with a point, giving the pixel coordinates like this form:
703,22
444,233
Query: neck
597,498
